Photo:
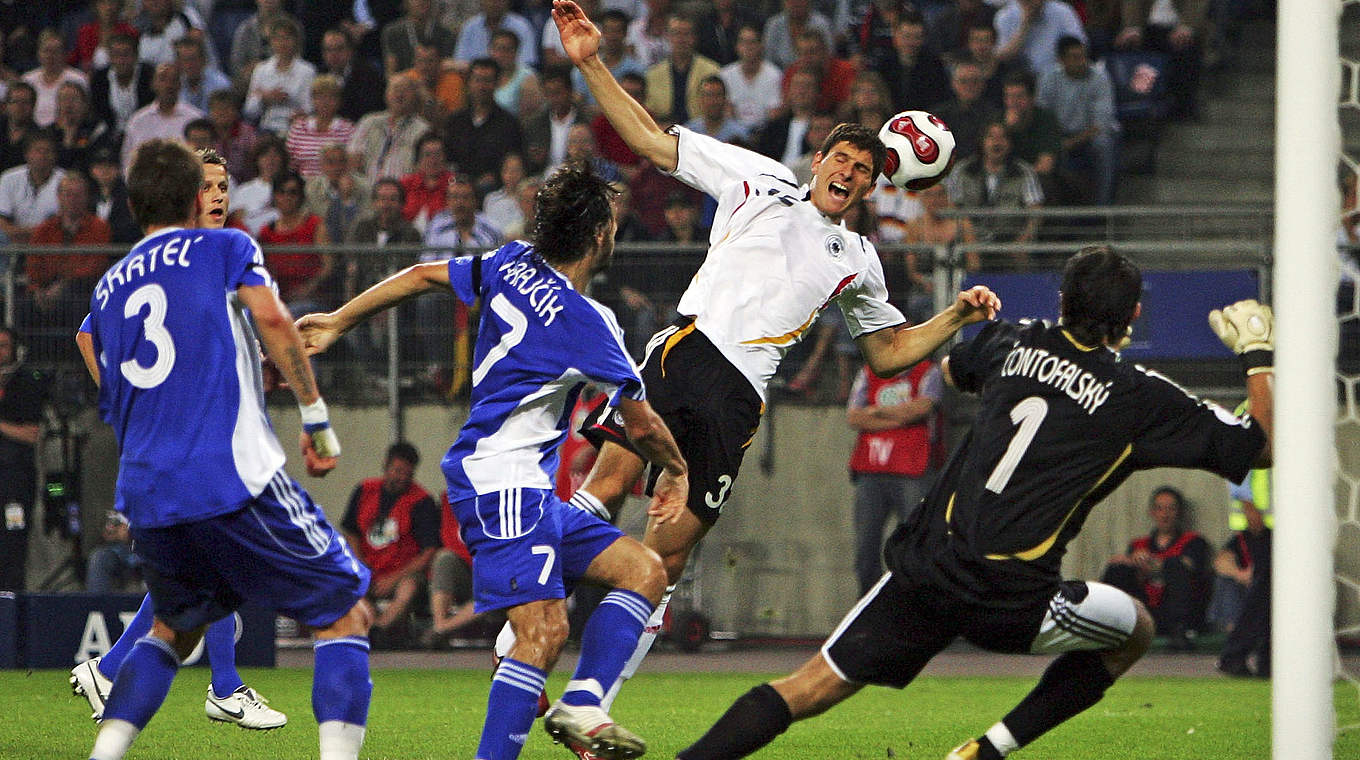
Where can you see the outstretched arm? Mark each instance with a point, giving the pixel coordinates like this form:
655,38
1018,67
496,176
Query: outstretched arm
581,40
892,350
319,331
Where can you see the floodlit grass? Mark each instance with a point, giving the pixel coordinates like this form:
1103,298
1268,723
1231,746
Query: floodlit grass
428,714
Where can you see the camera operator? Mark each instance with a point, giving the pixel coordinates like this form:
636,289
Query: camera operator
21,402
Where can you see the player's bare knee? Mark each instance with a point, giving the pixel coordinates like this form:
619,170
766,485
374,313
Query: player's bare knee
1118,661
648,575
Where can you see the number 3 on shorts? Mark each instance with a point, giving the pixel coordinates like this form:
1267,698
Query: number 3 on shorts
547,562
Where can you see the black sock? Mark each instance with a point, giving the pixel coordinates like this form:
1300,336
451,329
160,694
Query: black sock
1072,683
987,750
750,723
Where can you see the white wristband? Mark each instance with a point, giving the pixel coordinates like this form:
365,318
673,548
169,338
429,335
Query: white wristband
314,414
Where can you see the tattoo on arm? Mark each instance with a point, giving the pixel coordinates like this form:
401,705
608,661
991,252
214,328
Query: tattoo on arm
300,373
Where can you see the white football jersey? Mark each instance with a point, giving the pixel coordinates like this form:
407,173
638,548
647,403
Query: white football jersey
774,261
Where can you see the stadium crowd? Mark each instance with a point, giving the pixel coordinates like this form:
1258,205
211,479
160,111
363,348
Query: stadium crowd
332,116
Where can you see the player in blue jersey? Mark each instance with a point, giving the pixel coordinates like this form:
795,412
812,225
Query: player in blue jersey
201,476
540,340
93,678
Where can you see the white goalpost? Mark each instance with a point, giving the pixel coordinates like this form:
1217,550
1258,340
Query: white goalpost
1307,146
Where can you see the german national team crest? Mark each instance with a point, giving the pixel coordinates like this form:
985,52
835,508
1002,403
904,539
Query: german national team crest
835,246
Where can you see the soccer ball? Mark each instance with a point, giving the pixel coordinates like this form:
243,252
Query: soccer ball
920,150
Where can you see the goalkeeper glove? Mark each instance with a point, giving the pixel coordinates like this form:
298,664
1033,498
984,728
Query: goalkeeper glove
316,422
1247,328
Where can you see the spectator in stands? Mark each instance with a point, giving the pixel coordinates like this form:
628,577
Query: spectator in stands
250,203
361,84
165,116
914,72
1035,134
1081,97
581,149
870,101
870,41
109,195
948,29
392,526
819,127
18,124
753,83
113,567
613,53
607,139
200,133
783,28
418,24
834,75
28,192
197,78
647,32
304,277
932,228
21,410
1236,564
526,195
713,117
51,72
451,606
281,85
474,39
981,50
120,88
235,138
384,223
517,86
1028,30
459,228
59,285
444,88
309,133
92,39
480,135
337,194
1253,519
158,25
384,142
501,206
77,131
1168,570
545,133
994,178
673,83
783,137
250,41
682,221
967,111
719,30
428,186
1182,40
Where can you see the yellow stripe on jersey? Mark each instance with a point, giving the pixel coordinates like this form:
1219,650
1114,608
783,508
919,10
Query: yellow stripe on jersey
1042,549
676,337
949,512
1076,342
787,337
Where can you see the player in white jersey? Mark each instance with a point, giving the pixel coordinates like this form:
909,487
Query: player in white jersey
778,254
539,341
93,678
201,476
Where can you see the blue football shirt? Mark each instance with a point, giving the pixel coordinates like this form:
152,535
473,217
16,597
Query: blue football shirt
180,376
539,342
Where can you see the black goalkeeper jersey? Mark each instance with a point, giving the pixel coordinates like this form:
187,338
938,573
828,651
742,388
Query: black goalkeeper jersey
1060,426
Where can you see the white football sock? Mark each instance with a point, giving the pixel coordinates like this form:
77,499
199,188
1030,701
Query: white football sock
505,641
114,739
340,740
644,645
1001,738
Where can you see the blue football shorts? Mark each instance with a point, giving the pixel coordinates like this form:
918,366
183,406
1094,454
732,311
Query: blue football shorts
278,550
528,545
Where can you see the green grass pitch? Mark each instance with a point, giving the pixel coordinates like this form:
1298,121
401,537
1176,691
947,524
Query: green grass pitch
429,714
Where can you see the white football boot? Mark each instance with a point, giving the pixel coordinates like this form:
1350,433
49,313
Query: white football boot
245,708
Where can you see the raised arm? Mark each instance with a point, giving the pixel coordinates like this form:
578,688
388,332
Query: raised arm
319,331
1247,328
581,40
892,350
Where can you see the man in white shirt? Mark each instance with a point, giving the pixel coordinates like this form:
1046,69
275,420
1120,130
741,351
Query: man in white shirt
383,144
28,193
164,117
281,85
783,254
474,41
753,83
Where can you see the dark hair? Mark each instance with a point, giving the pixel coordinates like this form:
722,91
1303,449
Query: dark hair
860,136
1022,78
285,23
485,63
403,451
614,14
163,182
559,74
983,25
1173,491
401,189
1067,42
266,143
224,95
1100,292
286,176
200,123
571,207
344,34
429,137
714,79
40,135
633,76
123,37
210,156
506,33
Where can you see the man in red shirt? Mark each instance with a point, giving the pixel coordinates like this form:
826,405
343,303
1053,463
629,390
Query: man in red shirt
59,284
392,525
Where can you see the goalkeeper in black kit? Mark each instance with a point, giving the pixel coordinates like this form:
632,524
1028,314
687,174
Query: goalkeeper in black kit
1062,422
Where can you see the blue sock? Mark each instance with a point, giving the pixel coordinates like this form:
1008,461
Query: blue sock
139,627
510,710
220,641
341,687
608,641
142,682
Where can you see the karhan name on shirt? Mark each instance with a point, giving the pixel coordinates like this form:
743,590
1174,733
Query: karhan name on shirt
541,290
173,253
1065,375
